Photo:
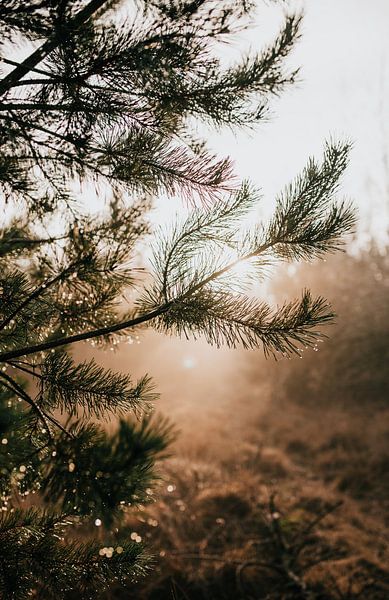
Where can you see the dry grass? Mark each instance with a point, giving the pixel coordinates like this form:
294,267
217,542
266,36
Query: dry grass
223,533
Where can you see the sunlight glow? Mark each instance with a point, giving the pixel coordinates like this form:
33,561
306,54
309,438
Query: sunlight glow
243,275
188,362
244,272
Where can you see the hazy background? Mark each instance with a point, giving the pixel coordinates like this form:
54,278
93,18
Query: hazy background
343,92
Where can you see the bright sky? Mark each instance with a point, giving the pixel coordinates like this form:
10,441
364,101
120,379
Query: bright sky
344,92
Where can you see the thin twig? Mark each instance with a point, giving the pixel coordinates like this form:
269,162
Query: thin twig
16,365
37,292
16,388
6,356
43,415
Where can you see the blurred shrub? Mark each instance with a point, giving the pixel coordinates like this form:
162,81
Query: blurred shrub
351,366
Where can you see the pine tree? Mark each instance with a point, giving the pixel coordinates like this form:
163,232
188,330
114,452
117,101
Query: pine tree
106,94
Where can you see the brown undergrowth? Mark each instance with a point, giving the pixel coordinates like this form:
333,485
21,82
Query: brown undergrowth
284,496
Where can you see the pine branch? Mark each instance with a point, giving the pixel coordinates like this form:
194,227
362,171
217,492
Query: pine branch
110,469
162,309
303,209
307,221
34,557
151,162
42,52
235,320
238,95
67,386
71,339
202,227
155,163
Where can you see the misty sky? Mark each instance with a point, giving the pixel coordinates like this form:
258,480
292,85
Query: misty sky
343,92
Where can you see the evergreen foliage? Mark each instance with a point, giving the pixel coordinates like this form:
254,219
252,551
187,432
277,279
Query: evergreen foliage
109,99
32,557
